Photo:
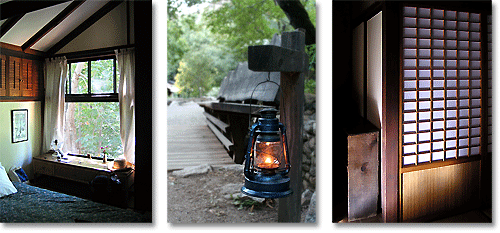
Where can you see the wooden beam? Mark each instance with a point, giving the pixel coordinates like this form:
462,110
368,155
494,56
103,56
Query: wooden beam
292,116
85,25
235,107
7,25
18,52
20,7
225,141
269,58
52,24
220,124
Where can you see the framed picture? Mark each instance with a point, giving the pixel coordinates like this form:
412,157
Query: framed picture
19,125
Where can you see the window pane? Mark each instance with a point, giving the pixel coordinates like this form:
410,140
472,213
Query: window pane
102,76
79,78
92,125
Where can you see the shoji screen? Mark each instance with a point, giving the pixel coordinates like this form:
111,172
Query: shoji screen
441,85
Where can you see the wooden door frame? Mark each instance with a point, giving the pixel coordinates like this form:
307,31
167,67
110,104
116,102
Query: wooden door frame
389,156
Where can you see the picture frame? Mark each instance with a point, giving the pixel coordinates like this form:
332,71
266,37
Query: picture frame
19,119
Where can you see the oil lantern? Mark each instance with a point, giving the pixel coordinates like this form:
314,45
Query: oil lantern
266,160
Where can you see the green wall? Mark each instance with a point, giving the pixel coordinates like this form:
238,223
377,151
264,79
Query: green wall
20,154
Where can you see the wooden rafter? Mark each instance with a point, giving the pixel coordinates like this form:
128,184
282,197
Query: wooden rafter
7,25
52,24
84,26
18,7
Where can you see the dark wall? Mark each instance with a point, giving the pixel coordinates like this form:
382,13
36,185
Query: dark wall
143,107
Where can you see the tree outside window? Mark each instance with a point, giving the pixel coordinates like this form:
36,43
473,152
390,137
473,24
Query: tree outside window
92,116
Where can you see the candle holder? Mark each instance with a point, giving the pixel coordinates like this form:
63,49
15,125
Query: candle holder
266,161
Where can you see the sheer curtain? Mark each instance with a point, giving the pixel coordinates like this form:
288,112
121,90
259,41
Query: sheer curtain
126,96
56,71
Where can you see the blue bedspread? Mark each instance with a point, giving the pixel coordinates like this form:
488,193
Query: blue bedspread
35,205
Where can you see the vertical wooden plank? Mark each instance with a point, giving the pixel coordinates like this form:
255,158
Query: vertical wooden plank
486,157
291,115
363,172
37,70
238,136
373,72
390,114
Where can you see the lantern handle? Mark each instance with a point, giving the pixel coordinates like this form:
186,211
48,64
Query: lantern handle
268,80
285,141
251,140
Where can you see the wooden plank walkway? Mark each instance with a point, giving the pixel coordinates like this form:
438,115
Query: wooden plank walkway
189,140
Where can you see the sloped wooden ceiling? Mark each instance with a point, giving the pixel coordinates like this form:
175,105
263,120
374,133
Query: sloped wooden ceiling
50,26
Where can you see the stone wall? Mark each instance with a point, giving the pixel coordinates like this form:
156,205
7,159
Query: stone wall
309,139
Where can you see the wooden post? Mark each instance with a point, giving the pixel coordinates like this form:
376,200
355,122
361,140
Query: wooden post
389,136
291,60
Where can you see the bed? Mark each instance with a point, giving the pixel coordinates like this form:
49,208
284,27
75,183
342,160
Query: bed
35,205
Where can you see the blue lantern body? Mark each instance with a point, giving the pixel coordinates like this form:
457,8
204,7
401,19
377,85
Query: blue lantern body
266,161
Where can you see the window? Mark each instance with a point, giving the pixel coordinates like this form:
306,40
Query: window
92,116
442,78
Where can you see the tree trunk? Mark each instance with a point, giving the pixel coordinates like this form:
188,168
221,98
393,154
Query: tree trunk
70,137
297,14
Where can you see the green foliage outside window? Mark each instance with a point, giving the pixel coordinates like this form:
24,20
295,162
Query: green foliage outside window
102,76
97,124
92,125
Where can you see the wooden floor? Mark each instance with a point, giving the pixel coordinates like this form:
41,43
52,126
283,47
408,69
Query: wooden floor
473,216
190,141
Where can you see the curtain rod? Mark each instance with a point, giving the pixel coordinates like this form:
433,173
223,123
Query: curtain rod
94,53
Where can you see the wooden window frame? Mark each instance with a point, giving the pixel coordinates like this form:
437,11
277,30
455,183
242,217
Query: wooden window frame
90,96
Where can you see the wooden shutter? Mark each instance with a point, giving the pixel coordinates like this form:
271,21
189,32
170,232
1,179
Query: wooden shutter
14,79
3,76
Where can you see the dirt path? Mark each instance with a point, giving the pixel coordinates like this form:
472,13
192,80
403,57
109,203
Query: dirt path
204,199
207,198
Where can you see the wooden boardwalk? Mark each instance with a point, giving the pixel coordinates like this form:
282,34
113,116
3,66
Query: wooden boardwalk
190,141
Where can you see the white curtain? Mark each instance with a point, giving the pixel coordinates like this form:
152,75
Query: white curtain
56,71
126,95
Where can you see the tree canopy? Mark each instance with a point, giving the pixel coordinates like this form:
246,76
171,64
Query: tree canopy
211,42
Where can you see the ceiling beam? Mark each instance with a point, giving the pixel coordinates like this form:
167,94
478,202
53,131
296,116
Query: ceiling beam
18,7
9,23
84,26
52,24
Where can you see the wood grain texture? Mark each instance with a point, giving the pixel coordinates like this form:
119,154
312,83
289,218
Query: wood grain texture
440,191
363,172
189,140
20,79
291,115
389,134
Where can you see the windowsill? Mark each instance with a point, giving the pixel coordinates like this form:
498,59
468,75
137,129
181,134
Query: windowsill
92,157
